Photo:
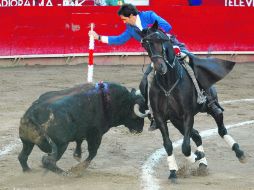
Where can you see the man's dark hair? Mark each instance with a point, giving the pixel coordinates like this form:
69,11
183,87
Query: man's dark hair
127,9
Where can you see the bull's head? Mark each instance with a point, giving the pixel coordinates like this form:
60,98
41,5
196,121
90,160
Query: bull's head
136,121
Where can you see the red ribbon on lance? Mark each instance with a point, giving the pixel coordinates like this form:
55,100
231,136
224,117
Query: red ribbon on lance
90,56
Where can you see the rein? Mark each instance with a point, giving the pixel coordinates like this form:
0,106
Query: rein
180,75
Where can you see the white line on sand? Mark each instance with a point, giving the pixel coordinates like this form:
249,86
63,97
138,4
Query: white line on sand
149,181
8,148
236,101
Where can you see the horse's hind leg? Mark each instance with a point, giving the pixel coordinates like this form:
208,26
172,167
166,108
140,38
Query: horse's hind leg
23,156
229,140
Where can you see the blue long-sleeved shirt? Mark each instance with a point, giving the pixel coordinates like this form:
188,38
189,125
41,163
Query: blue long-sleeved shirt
147,19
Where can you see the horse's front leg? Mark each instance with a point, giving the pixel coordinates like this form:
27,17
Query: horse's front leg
188,122
202,170
162,125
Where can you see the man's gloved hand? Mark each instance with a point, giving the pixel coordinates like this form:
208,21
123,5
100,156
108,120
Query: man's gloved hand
177,50
181,55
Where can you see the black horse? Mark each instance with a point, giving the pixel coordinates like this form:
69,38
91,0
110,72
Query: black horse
173,96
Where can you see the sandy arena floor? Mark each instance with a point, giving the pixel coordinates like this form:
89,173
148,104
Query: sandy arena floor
121,155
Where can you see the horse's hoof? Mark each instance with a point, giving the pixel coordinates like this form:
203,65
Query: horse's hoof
199,155
173,180
172,177
239,153
243,159
202,170
76,157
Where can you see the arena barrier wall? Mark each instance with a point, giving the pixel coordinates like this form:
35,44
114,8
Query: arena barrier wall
62,31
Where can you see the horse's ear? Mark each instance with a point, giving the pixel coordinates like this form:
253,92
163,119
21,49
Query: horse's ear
155,25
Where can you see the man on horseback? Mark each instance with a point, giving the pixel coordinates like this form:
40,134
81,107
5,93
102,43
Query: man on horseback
135,22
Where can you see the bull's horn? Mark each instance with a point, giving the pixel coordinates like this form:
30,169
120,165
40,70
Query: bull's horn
138,113
138,92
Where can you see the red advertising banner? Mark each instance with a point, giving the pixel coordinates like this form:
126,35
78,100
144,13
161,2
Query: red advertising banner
58,29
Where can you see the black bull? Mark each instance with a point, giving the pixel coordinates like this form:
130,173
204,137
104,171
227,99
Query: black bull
83,112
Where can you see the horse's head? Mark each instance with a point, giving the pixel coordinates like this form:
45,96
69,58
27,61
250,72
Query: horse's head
159,48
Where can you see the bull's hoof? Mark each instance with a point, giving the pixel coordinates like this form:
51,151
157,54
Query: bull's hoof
202,170
243,159
50,163
199,155
172,177
79,168
26,170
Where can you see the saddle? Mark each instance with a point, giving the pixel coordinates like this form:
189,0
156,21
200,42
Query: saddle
207,71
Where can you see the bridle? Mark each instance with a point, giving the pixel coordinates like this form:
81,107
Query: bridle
147,40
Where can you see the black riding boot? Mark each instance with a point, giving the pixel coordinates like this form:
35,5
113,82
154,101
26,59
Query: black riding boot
143,88
213,105
152,124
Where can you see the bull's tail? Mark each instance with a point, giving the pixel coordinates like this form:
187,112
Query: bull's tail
52,145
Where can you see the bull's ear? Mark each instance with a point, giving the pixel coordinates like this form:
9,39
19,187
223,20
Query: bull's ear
155,25
133,91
